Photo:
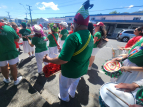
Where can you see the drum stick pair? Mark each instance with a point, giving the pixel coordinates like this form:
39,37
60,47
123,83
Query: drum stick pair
117,97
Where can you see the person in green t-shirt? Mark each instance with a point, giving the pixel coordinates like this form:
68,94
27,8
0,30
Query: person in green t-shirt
41,49
64,33
74,57
9,53
99,32
53,49
26,47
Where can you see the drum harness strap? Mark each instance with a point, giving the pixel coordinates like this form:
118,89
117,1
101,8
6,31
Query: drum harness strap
83,48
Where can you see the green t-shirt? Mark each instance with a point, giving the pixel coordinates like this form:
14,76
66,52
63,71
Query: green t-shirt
136,54
52,42
64,33
97,34
25,32
77,65
8,49
40,44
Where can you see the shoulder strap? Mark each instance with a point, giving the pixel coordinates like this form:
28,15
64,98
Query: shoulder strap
55,41
83,48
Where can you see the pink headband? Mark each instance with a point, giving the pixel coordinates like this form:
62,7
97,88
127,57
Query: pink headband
41,32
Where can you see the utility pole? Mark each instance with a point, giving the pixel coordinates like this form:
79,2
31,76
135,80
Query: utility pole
30,13
8,16
26,17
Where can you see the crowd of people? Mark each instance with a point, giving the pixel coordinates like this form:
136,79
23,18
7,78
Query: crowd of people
78,50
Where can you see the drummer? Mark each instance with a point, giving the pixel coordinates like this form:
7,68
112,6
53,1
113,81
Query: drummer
74,57
133,61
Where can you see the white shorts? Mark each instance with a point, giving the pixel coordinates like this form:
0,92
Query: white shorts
94,51
53,52
11,62
27,48
62,42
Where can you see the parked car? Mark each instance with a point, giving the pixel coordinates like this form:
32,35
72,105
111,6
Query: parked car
125,35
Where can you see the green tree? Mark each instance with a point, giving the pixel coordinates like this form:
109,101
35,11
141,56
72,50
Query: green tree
34,21
114,12
5,19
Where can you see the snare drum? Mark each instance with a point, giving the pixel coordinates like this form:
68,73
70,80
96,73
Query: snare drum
112,69
111,100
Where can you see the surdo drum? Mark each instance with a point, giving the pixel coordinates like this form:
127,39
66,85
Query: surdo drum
111,100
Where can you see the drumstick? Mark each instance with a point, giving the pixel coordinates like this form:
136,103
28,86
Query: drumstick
117,96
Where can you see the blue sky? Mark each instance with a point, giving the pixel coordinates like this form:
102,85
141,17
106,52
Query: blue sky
61,8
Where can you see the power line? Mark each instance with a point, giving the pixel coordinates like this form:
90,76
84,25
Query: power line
30,13
91,11
24,7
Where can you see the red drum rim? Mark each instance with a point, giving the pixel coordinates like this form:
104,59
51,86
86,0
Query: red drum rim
106,67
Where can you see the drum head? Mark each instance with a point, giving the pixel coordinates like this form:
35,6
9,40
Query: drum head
112,66
113,101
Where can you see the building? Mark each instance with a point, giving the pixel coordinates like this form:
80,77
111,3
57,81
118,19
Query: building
115,22
19,21
45,21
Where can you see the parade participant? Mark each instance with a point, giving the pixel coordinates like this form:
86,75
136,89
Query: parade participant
26,47
132,41
64,33
53,37
8,53
90,27
41,26
29,27
72,28
100,31
41,48
74,57
133,62
14,26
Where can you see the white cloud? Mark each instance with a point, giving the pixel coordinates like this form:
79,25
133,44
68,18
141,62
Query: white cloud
3,7
37,3
45,5
141,9
130,6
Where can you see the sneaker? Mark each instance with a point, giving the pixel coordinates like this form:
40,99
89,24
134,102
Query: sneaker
18,80
41,72
29,56
6,80
33,55
89,68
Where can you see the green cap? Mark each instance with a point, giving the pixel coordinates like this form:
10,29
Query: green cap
23,24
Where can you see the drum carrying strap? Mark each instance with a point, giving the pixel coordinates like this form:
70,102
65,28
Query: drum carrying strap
83,48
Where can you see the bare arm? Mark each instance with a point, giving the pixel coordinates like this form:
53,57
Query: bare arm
131,68
54,60
29,42
95,39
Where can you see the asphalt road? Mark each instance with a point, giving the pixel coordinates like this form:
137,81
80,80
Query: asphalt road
89,85
106,53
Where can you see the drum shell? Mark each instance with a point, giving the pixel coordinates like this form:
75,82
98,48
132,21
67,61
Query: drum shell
110,88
